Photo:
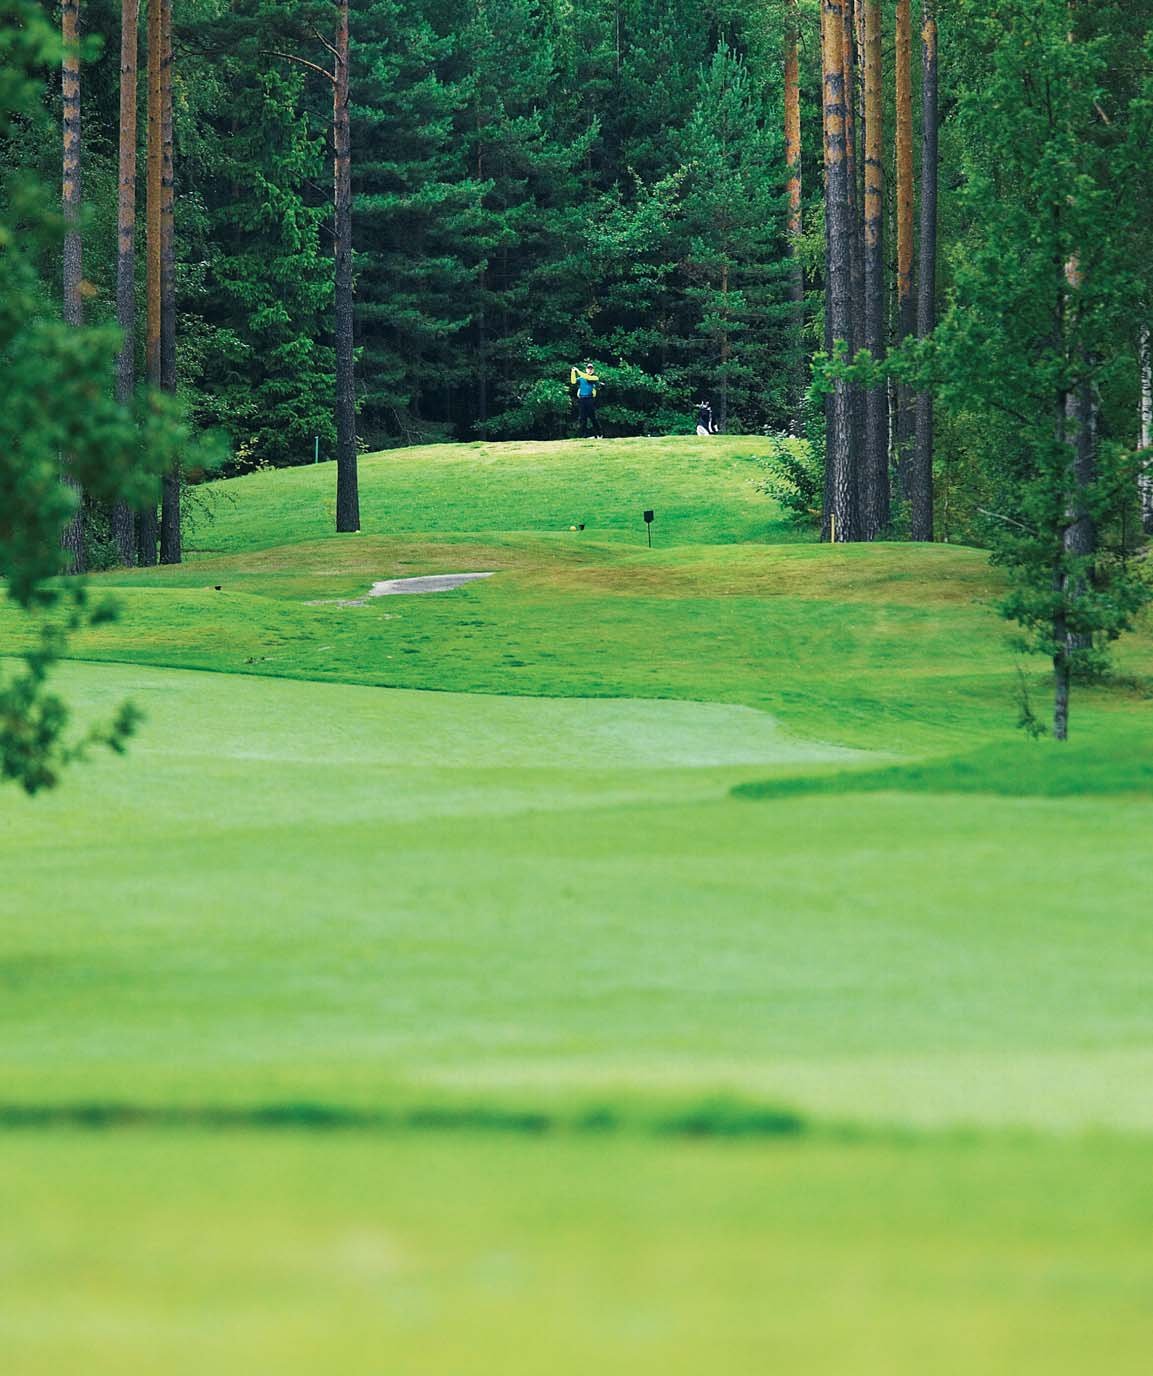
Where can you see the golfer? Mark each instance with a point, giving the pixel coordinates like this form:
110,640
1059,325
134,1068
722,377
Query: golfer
587,383
705,424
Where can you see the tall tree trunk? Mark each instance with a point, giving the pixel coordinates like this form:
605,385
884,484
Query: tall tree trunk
347,495
921,476
906,299
793,163
856,337
856,237
123,521
841,478
1145,434
875,508
170,542
72,536
147,529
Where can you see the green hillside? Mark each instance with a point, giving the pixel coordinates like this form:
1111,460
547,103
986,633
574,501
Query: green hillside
459,914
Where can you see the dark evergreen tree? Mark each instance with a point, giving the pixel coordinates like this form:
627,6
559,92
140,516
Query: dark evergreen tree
733,340
265,370
416,205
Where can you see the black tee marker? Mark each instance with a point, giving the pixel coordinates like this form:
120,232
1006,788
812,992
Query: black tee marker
649,527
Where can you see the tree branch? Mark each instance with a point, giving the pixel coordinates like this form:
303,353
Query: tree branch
301,61
320,38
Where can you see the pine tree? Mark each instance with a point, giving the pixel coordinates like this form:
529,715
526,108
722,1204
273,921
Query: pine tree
734,271
268,376
416,200
531,227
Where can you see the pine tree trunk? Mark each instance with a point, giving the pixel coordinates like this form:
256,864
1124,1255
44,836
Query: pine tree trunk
123,521
856,337
841,478
906,300
1145,435
347,495
793,163
856,236
875,508
170,542
72,536
147,528
921,476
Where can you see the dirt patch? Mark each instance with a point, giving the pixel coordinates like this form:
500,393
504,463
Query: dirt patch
394,587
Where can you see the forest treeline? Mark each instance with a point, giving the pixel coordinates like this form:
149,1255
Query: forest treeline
534,182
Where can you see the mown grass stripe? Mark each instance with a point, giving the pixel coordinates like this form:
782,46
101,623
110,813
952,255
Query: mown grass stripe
709,1119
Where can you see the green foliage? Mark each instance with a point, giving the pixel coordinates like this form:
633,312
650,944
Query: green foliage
254,355
57,402
532,182
795,477
35,746
1048,174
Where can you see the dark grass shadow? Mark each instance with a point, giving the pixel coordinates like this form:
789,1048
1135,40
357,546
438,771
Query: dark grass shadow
1018,769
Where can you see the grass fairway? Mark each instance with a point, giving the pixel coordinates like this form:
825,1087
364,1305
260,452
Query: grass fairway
195,1253
687,840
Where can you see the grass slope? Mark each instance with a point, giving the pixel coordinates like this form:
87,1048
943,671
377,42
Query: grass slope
737,816
356,893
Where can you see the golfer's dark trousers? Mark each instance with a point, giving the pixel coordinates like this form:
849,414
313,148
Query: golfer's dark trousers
588,414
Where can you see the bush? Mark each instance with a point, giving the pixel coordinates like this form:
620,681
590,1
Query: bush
795,477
